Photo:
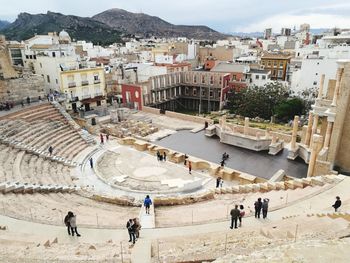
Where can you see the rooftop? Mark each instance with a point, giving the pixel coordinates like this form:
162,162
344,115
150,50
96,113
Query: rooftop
228,67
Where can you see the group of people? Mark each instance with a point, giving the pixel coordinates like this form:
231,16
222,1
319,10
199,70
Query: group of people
133,225
236,215
161,157
102,140
71,223
261,205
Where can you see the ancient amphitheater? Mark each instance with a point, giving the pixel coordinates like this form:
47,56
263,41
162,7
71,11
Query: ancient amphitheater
189,221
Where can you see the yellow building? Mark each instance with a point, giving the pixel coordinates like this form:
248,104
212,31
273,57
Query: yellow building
277,63
83,87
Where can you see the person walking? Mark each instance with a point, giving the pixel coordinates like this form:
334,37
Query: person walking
234,216
50,150
91,163
67,221
73,225
186,157
158,155
265,207
218,182
258,206
101,138
164,156
241,214
189,167
137,227
337,204
130,227
107,137
147,203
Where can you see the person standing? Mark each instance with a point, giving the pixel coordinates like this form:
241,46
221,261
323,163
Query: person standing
107,137
22,103
147,203
185,162
164,156
234,216
241,214
28,100
189,167
101,138
337,203
73,225
158,155
218,182
50,150
258,206
91,163
67,221
130,227
222,163
265,207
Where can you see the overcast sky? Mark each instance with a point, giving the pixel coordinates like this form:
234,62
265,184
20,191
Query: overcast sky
221,15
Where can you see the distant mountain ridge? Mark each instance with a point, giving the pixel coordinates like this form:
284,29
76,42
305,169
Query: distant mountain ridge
103,28
79,28
146,25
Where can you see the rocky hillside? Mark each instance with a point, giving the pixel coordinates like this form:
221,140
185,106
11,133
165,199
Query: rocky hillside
146,25
79,28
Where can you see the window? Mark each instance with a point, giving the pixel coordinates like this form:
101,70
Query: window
98,103
96,77
48,78
186,91
275,64
256,76
316,73
203,79
281,64
263,77
195,79
203,92
280,73
220,80
234,77
194,92
269,63
315,83
53,54
211,79
211,93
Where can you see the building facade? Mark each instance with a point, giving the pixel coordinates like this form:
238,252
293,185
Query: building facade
277,63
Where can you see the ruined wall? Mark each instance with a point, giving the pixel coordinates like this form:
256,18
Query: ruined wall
19,89
6,69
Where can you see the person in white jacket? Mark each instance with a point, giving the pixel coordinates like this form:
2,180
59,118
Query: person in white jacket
73,225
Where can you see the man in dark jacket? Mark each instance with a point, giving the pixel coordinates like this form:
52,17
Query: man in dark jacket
234,216
131,230
337,203
265,207
258,206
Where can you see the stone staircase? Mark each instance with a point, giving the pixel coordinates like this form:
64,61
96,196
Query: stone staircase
83,134
27,188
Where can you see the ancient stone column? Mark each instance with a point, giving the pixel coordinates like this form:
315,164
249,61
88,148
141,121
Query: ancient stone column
336,89
328,135
308,130
316,147
295,132
314,128
246,125
320,91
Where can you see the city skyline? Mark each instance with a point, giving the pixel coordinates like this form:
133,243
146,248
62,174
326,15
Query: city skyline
224,16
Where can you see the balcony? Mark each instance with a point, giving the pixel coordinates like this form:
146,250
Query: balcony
96,81
72,85
84,82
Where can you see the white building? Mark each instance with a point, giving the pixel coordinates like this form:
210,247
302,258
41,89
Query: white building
259,77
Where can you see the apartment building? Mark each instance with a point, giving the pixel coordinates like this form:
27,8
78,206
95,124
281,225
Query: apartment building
277,63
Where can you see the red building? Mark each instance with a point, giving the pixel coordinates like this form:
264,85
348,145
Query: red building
132,96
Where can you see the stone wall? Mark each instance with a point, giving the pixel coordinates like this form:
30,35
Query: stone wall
151,110
6,69
186,117
19,89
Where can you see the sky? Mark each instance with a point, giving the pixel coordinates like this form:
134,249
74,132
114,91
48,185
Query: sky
222,15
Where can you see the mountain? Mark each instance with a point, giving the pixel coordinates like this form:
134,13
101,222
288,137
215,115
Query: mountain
3,24
79,28
146,25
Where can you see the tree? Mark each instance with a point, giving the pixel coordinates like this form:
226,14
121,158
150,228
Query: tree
287,109
258,101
